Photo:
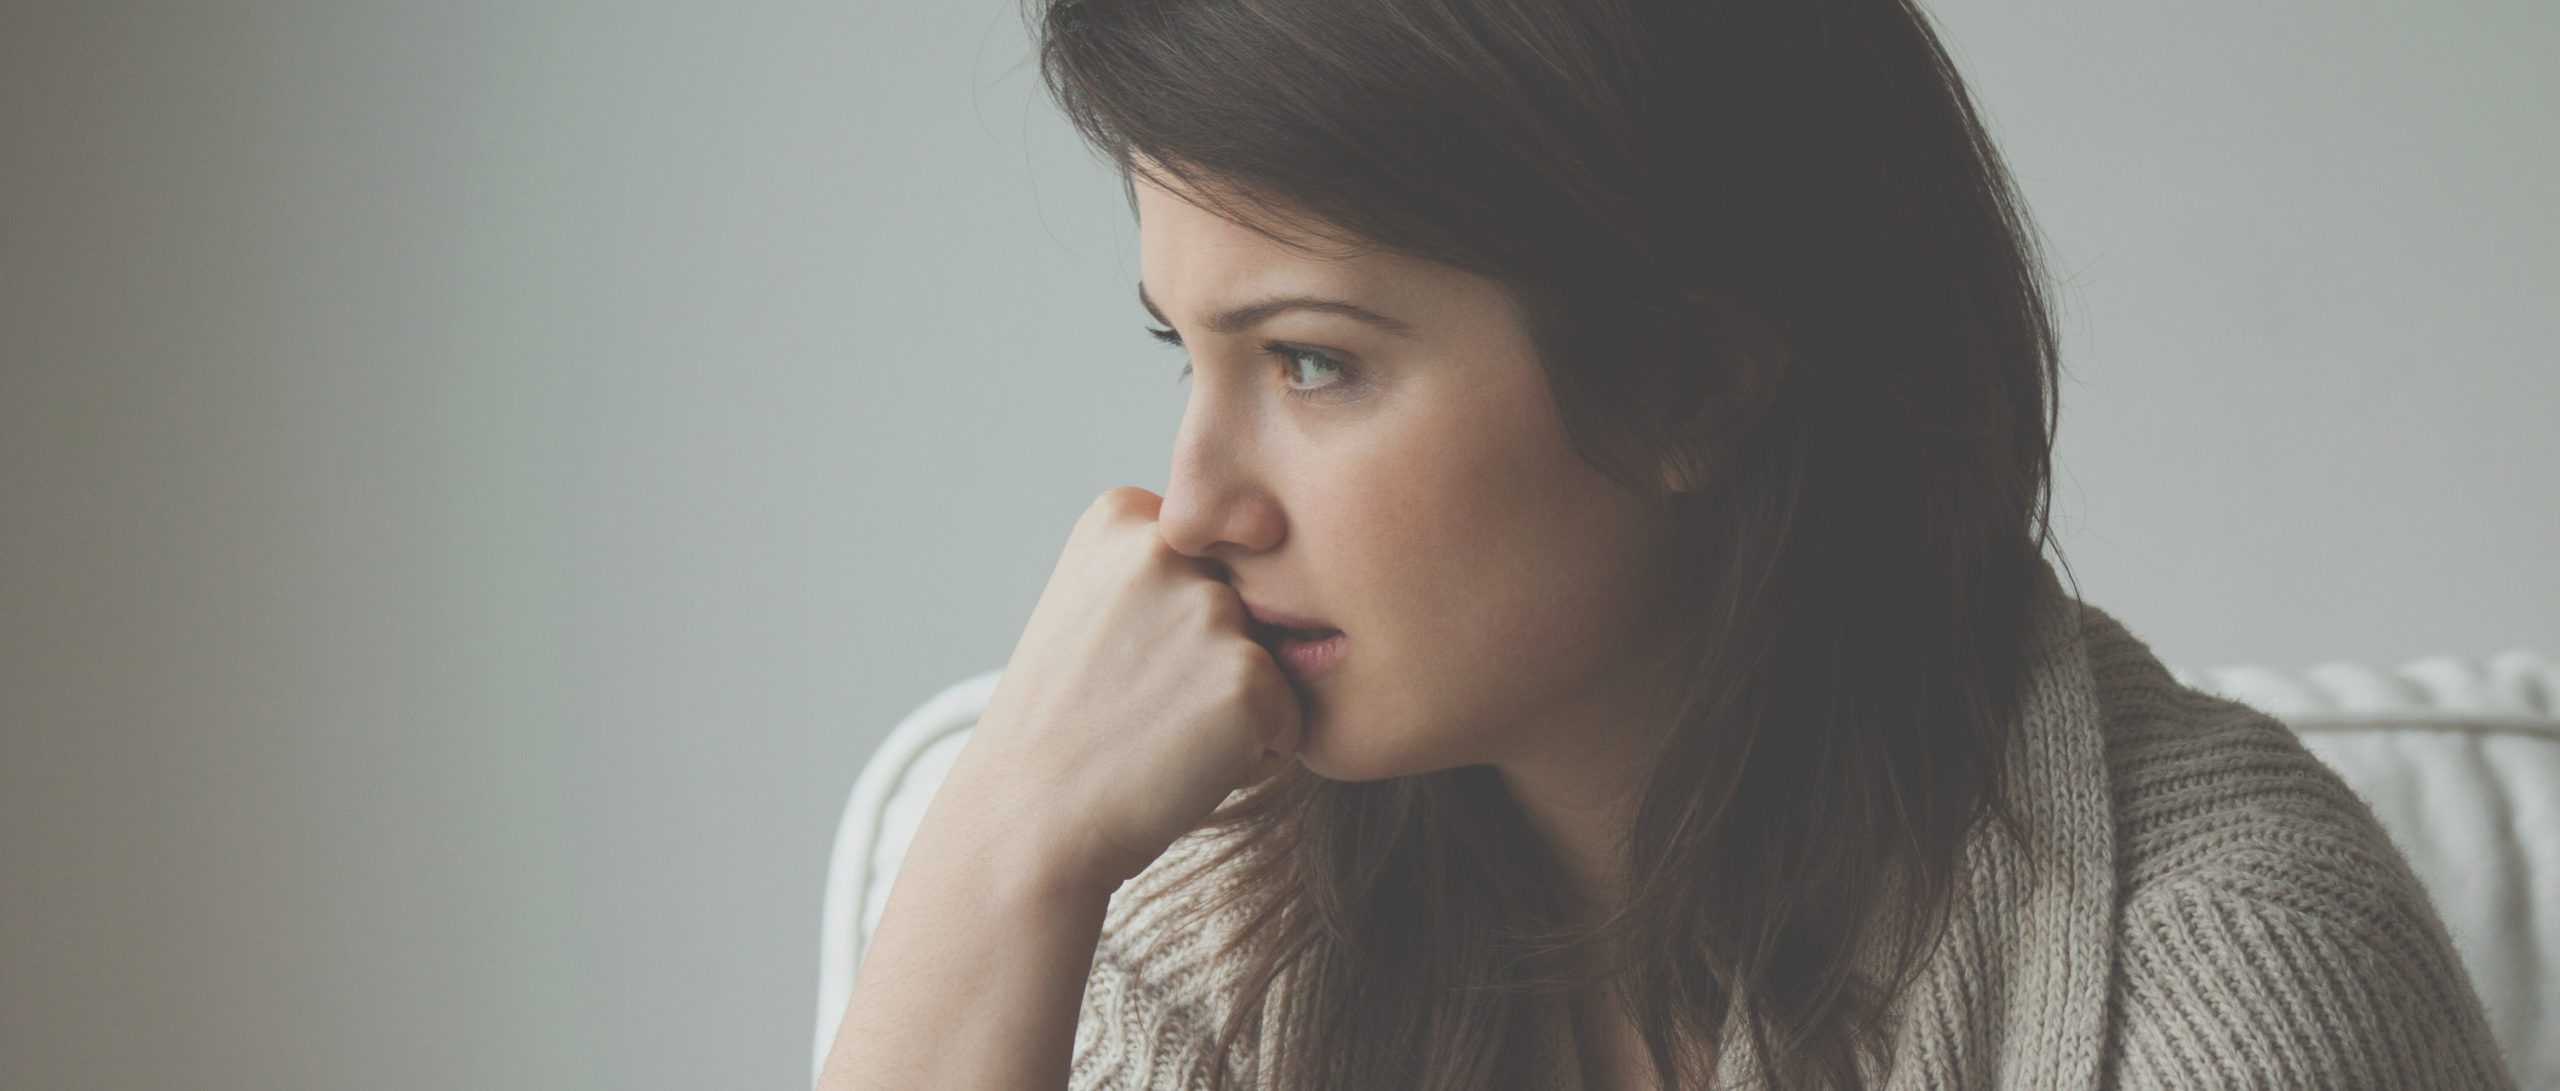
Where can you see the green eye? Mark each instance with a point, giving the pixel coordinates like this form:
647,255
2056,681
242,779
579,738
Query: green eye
1288,355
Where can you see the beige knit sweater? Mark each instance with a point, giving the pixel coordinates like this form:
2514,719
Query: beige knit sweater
2228,915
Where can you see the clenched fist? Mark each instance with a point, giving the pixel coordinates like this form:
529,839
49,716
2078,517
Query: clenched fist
1136,700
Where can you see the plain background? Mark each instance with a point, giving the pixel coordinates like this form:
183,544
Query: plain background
477,479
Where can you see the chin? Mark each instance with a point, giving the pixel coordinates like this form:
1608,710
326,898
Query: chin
1321,750
1336,751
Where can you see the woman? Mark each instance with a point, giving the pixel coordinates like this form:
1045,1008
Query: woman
1596,631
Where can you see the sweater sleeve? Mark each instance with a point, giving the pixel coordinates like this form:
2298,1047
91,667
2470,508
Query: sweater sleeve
1158,992
1132,1037
2293,978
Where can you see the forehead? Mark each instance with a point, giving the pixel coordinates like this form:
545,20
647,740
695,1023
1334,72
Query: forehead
1182,237
1194,260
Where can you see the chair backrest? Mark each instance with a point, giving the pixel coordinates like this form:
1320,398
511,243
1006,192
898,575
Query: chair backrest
880,817
2460,760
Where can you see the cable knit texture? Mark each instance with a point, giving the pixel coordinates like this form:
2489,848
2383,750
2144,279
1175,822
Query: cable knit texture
2218,910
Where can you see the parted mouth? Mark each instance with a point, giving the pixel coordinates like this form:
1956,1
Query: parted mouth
1303,628
1267,632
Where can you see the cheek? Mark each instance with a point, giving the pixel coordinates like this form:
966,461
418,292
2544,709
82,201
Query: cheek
1483,608
1482,575
1470,665
1405,570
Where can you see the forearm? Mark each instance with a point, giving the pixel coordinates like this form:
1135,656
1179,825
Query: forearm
976,973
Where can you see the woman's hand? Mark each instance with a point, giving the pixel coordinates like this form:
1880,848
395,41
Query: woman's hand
1135,701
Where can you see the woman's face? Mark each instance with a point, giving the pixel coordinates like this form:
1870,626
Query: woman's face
1411,487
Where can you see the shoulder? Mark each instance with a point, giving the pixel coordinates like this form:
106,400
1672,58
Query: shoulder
1159,989
2270,933
2201,785
2274,968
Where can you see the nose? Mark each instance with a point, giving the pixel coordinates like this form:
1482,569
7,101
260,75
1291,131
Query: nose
1216,500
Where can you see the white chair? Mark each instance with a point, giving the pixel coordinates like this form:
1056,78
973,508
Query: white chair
2460,760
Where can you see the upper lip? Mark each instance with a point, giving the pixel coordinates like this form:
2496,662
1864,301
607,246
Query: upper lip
1274,618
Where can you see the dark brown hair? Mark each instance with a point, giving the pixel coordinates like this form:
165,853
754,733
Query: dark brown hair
1767,243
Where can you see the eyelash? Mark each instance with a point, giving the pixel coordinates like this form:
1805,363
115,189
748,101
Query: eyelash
1286,355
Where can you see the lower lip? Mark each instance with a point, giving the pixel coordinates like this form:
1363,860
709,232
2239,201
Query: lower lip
1306,658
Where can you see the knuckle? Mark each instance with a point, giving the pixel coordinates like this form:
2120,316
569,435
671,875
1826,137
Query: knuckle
1123,501
1103,509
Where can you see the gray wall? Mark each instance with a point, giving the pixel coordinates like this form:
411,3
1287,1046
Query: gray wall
479,478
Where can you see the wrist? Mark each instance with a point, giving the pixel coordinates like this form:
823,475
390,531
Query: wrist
1024,858
1020,851
1054,863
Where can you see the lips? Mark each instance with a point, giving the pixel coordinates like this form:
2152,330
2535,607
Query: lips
1280,622
1279,630
1270,633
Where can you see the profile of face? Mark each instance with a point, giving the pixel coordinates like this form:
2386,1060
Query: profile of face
1408,483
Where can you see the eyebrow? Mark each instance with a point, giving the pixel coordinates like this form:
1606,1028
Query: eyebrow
1253,314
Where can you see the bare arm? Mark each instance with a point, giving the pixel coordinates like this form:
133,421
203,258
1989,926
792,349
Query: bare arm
978,968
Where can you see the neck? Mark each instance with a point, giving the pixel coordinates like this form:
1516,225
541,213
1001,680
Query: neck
1578,770
1580,793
